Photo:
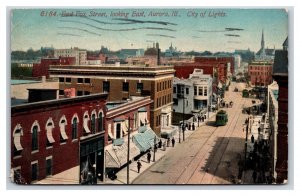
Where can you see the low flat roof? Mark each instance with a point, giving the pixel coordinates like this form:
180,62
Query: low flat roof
23,81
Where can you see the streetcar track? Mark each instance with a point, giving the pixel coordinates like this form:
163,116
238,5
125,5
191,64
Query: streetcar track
207,144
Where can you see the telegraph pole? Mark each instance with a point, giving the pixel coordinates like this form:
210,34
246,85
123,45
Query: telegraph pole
183,113
128,149
154,149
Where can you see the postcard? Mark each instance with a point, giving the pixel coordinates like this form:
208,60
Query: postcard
149,96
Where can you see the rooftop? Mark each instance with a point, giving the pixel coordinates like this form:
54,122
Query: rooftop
23,81
280,66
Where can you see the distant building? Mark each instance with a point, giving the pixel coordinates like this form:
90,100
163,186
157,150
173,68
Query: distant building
264,54
260,73
195,92
237,61
80,55
41,69
280,75
121,82
125,53
53,136
246,55
172,52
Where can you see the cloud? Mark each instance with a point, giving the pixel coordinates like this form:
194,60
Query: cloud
232,35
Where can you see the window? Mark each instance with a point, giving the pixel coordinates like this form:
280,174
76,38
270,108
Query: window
74,128
175,101
187,91
87,80
61,92
125,86
200,91
160,86
157,120
106,86
61,80
49,167
79,80
68,80
174,89
100,122
34,138
118,130
195,90
34,171
135,120
79,93
139,87
93,123
205,91
157,86
86,92
62,126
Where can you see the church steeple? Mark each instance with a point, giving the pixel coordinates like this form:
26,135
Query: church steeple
262,40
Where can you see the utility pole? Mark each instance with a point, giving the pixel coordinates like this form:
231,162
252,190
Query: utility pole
128,149
183,113
154,149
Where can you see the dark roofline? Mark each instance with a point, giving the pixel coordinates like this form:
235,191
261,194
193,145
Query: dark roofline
56,102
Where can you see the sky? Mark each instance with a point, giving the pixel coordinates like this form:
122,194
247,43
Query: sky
187,29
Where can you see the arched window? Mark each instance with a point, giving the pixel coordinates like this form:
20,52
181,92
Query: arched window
93,123
17,140
100,122
34,138
74,128
49,129
62,126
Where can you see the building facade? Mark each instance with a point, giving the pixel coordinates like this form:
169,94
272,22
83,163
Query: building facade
193,94
272,119
80,55
280,75
49,137
121,82
126,119
260,73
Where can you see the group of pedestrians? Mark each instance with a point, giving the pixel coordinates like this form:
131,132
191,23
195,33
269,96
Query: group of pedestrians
159,145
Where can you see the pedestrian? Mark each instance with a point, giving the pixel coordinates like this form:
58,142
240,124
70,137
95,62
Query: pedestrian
148,156
202,118
139,165
252,139
173,142
164,146
159,143
168,142
189,126
193,126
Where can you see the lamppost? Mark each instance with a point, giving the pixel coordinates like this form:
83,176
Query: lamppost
128,148
154,148
183,107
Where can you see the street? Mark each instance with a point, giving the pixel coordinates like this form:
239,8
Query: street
210,155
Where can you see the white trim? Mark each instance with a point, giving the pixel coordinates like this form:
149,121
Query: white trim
75,116
49,157
33,162
49,134
17,140
62,126
61,119
125,127
35,123
18,126
85,125
109,131
86,113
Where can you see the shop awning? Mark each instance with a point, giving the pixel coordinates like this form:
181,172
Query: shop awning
144,140
116,156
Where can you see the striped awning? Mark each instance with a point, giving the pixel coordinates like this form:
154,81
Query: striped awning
144,140
116,156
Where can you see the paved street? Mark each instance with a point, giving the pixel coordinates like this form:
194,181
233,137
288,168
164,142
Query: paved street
209,155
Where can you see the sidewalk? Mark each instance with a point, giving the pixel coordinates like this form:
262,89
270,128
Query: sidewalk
122,174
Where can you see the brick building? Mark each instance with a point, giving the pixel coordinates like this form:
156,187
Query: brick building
121,82
79,54
215,60
41,69
260,73
280,75
49,137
